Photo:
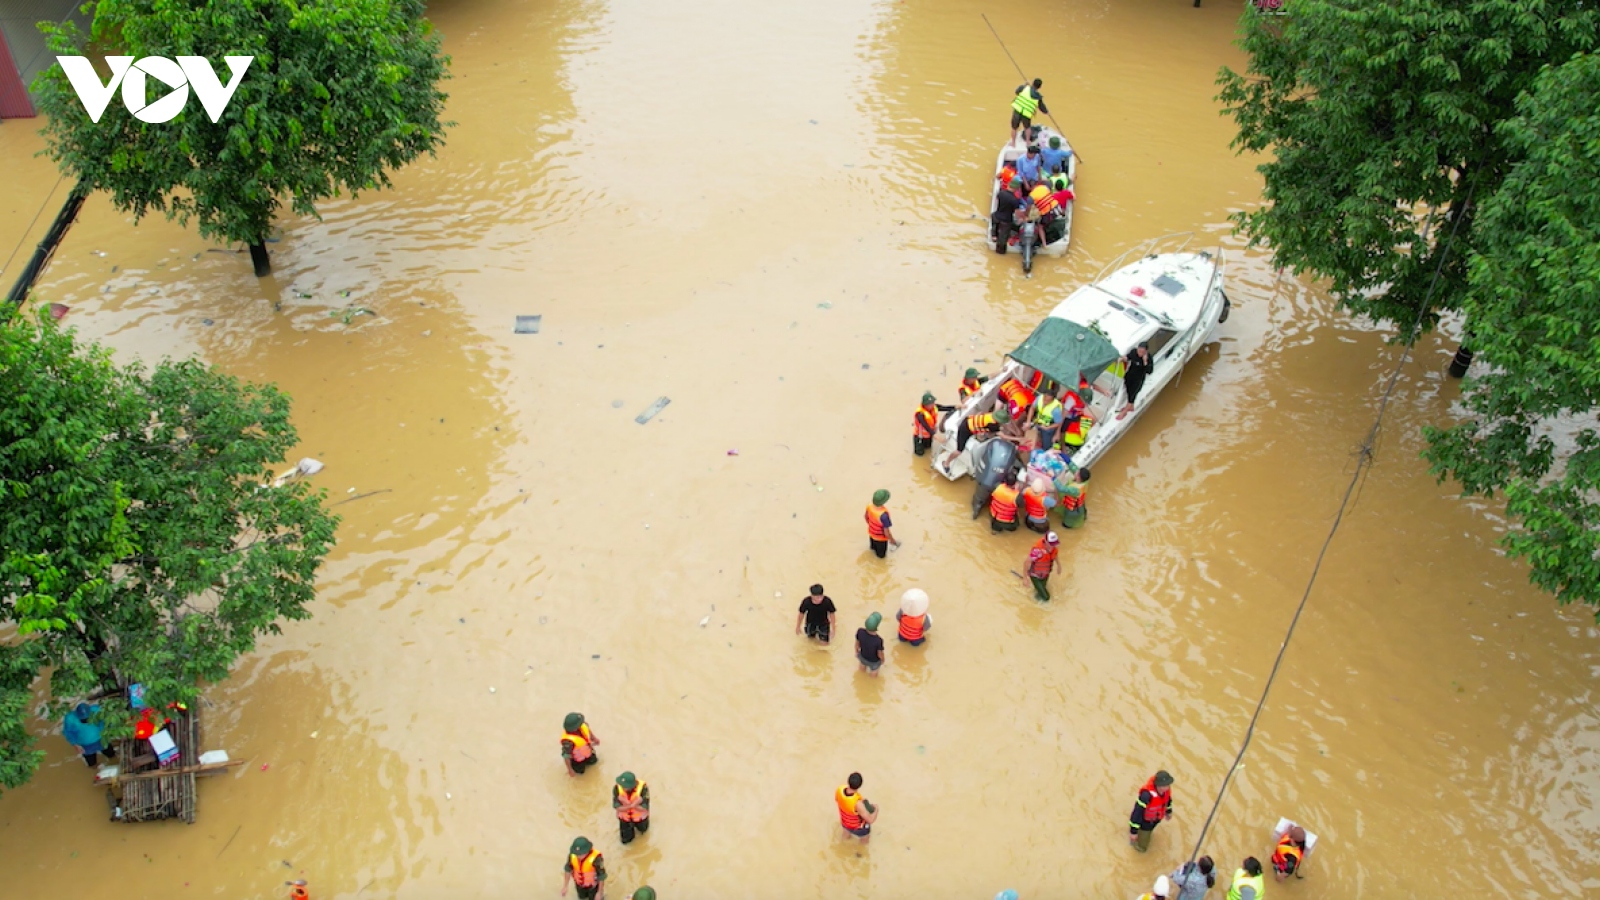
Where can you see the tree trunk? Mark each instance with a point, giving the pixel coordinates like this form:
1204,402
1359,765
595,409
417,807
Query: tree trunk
263,262
1462,362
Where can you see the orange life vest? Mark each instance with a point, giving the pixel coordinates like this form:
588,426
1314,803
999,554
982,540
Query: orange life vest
580,742
1003,503
847,807
1160,798
969,386
911,626
299,892
630,815
875,523
1039,567
1033,502
1071,500
1018,397
583,874
924,421
1287,848
1005,176
1043,200
977,424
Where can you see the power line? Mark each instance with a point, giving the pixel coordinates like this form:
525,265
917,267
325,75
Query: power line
1363,464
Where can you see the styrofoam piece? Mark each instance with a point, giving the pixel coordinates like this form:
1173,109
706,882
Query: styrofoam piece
1283,827
213,757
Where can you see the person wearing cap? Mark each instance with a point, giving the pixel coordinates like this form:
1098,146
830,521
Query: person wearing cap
1009,204
1153,807
869,646
880,533
1136,365
925,423
816,615
585,868
577,744
1074,500
1248,882
81,731
1193,879
1055,156
644,893
913,618
1044,559
1289,857
1161,890
1026,102
856,813
977,423
630,798
971,383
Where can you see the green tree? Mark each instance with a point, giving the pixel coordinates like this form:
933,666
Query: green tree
137,542
1380,120
340,93
1534,306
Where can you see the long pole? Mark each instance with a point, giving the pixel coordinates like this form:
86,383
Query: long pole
1024,75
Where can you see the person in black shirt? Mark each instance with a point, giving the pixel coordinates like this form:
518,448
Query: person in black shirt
1139,365
1007,202
816,615
869,647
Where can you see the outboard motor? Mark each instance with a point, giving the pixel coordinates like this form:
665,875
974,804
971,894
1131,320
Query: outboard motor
1028,239
994,460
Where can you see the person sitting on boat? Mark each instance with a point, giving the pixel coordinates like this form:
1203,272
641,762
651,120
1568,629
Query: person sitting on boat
1007,173
1030,167
1047,209
1024,104
1063,190
1055,157
978,423
1076,430
1009,203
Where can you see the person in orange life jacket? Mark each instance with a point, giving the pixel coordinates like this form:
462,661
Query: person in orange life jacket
1153,807
856,813
971,383
1044,559
1161,890
1139,365
978,423
1036,503
914,628
578,744
1003,506
631,801
1289,857
297,891
869,646
1075,501
585,868
816,615
880,534
925,423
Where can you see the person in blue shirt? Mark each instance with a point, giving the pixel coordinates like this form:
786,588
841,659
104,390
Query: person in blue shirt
1055,157
85,734
1030,167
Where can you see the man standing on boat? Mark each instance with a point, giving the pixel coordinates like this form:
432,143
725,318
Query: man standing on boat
1025,104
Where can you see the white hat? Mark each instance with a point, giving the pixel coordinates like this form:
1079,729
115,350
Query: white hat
1052,538
914,602
1163,887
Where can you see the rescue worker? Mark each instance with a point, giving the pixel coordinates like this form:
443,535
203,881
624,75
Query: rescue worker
299,891
856,813
577,744
1025,104
1074,501
1044,559
631,800
1003,506
978,423
1036,505
1048,414
1290,854
1248,882
1153,807
1055,157
1079,422
925,423
971,383
879,531
1044,203
1162,888
644,893
869,646
585,868
914,628
1010,202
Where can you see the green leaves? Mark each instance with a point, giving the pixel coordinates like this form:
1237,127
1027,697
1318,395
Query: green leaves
138,541
363,72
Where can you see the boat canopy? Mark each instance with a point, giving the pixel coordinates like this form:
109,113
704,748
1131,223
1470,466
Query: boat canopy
1066,351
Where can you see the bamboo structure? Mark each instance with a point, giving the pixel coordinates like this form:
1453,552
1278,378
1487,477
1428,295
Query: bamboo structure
150,792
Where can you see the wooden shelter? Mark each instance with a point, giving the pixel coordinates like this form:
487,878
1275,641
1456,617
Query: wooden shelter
140,789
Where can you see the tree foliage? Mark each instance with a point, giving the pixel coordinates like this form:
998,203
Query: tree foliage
1380,118
340,93
137,542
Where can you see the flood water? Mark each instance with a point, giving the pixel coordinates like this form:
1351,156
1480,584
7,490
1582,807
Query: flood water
766,212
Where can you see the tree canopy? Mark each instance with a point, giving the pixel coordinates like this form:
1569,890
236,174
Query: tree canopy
137,542
340,92
1379,119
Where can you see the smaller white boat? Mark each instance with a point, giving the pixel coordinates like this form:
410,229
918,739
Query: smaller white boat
1009,154
1171,300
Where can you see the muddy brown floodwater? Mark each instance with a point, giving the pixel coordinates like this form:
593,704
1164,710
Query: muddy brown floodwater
766,211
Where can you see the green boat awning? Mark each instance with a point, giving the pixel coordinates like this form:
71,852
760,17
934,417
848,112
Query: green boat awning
1065,350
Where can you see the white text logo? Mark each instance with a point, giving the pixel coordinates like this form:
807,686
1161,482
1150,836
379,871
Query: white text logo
187,72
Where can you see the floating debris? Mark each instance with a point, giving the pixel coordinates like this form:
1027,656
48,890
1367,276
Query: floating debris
528,324
652,410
